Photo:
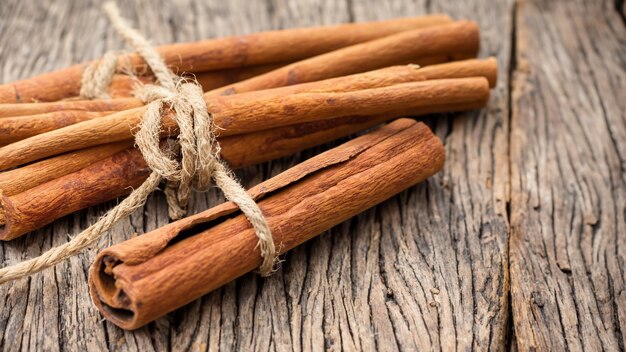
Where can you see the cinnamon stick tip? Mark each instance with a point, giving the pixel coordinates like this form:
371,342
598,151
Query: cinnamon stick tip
5,224
437,151
108,294
8,93
473,32
483,83
493,73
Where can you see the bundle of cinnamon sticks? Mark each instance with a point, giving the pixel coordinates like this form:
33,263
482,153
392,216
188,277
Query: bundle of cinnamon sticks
270,94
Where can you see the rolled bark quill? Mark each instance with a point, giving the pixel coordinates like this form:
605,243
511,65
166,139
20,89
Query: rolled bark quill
459,40
38,203
17,128
13,129
455,38
132,282
253,111
23,210
97,105
230,52
236,115
24,178
122,85
125,101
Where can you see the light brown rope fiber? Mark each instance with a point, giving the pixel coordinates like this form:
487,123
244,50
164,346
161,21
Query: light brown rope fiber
199,162
97,77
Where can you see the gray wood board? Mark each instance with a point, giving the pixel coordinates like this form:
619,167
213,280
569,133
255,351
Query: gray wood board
568,167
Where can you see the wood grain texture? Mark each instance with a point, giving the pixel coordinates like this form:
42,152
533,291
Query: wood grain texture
426,270
457,253
568,166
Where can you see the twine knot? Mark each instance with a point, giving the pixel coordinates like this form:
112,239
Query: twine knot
199,157
197,144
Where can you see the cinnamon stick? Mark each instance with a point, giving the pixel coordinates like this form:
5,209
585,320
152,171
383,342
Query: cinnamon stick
448,39
122,85
229,52
96,105
19,128
13,129
21,179
236,115
22,213
117,175
459,40
279,142
126,102
131,283
272,140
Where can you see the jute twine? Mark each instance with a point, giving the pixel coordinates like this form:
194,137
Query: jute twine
98,76
198,147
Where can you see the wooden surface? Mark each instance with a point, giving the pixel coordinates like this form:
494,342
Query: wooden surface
568,184
426,270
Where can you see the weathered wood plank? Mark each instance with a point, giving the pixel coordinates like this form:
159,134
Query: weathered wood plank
457,256
568,167
425,270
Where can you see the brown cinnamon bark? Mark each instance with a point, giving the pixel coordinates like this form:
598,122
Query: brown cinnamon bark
448,39
21,179
236,115
23,213
131,282
238,150
13,129
122,85
20,128
254,49
127,102
96,105
276,143
388,76
457,40
117,175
